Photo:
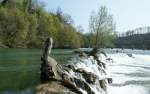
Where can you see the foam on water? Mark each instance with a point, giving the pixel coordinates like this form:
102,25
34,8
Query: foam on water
89,65
130,89
131,75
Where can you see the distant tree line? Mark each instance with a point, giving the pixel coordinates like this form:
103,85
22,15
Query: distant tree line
138,40
25,23
141,30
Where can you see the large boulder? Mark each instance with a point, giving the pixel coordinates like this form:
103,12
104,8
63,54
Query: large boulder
84,74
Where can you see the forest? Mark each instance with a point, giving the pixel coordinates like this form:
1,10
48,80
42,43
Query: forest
135,41
26,24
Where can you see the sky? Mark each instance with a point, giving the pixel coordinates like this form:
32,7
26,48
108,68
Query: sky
127,14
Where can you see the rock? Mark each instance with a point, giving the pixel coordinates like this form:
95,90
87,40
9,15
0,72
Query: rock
130,55
50,70
81,54
3,46
93,52
81,84
102,84
104,53
71,85
110,60
71,78
52,88
101,64
109,80
88,76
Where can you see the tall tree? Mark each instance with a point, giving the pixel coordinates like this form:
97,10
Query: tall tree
25,23
102,26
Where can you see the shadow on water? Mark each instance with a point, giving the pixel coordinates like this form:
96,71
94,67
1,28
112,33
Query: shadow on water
20,69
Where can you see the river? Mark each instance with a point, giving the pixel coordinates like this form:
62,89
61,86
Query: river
20,70
130,73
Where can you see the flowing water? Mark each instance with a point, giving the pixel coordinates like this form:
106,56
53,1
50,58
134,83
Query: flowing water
130,73
19,70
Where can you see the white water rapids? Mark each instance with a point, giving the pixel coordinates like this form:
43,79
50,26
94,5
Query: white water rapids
131,75
130,72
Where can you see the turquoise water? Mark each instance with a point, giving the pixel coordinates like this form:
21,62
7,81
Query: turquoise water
20,69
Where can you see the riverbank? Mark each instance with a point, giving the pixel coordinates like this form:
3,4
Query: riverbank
3,46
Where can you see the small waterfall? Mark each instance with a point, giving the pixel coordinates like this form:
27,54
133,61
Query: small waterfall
86,69
85,73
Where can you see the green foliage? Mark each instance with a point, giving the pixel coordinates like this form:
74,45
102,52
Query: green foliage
102,28
68,38
25,23
32,30
135,41
14,26
87,40
22,24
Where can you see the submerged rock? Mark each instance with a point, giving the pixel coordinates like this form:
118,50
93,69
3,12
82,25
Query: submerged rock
103,84
85,74
130,55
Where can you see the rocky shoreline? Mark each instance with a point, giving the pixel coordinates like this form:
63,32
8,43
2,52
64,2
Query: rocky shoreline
3,46
83,74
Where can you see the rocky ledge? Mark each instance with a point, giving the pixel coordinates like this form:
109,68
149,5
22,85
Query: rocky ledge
3,46
83,74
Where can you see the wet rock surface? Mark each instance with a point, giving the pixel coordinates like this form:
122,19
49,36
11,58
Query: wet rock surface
83,74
